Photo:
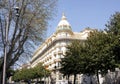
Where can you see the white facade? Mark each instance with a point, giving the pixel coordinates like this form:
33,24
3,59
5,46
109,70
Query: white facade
53,49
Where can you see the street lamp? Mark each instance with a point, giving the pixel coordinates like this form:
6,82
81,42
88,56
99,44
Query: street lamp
6,44
17,11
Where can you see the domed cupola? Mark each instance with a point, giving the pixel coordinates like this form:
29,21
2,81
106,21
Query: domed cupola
64,26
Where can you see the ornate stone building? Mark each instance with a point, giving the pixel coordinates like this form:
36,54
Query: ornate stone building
54,48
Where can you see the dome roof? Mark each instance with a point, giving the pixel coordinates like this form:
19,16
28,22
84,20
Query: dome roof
63,25
63,21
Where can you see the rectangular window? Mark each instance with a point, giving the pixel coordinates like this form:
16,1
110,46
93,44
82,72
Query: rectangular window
60,77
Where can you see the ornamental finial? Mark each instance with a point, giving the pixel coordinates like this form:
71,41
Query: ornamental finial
63,16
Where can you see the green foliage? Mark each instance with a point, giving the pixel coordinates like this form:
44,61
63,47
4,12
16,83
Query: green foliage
90,56
40,71
27,74
98,54
24,74
73,62
113,28
100,51
10,72
69,61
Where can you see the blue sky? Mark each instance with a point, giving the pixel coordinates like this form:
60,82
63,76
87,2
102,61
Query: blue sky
84,13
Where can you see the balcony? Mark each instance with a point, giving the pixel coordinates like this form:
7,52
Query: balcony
60,52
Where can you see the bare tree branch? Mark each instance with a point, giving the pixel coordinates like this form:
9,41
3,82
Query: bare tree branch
25,31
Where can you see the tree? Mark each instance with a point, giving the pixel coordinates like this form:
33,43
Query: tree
26,28
40,71
23,74
91,57
99,49
71,63
113,28
37,72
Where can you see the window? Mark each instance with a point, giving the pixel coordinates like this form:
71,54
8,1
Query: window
60,77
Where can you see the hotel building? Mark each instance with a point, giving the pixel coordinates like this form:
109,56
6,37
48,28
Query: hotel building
54,48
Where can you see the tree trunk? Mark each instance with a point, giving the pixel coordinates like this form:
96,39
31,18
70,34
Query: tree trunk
91,80
74,79
68,79
98,78
1,72
37,80
0,77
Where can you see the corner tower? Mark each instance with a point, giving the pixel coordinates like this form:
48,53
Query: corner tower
63,27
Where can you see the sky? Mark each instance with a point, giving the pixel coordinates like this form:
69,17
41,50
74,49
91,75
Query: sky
84,13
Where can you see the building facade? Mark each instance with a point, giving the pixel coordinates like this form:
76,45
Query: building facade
54,48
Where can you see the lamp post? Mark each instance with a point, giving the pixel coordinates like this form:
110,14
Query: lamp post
5,51
6,44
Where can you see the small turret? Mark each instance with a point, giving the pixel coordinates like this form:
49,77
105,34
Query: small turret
64,26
